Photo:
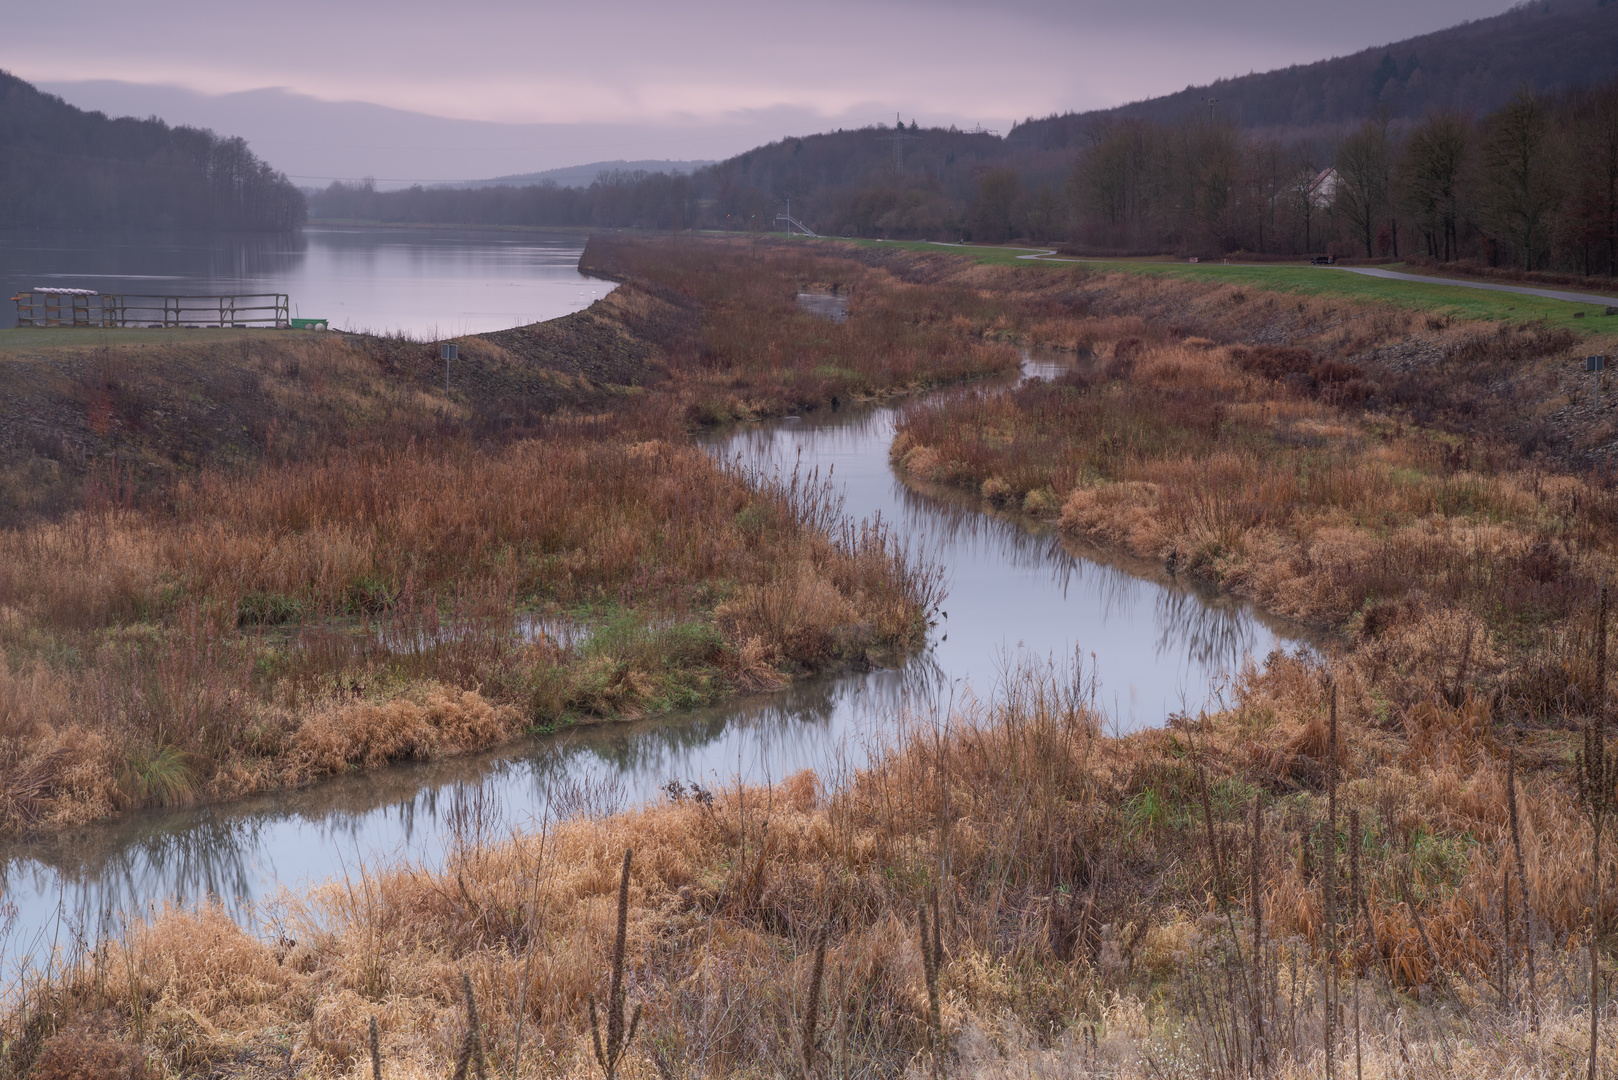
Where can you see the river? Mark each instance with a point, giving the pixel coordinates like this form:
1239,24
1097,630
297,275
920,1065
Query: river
1018,594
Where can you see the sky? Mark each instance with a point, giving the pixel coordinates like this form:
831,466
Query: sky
364,87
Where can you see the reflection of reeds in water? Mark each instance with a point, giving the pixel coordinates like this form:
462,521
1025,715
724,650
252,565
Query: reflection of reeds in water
1215,636
1062,869
954,528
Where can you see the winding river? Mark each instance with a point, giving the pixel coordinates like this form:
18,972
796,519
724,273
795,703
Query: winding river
1017,594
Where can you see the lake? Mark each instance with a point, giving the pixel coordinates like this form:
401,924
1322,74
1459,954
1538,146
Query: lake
425,283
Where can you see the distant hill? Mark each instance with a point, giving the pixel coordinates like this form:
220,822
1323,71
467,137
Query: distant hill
1170,180
582,176
1550,45
64,167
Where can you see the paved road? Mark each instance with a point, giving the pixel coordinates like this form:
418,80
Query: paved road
1550,294
1046,255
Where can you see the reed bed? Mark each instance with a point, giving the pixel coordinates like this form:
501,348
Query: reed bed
270,628
301,557
1389,859
755,353
1174,903
1453,563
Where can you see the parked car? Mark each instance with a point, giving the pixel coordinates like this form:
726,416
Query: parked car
1323,260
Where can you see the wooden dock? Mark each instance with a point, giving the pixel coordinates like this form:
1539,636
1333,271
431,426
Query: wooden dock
86,307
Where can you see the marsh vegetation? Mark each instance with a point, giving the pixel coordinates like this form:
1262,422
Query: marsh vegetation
1385,857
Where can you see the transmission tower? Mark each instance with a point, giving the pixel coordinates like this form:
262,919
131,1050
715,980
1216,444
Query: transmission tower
899,137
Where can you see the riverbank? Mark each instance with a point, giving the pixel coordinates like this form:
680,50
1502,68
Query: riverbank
1118,907
1381,862
1392,480
235,565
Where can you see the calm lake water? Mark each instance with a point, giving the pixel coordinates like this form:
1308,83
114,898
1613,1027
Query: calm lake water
427,283
1017,595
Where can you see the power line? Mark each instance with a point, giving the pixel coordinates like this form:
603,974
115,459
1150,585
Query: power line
899,137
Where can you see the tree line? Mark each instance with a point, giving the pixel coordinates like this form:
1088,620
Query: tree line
1533,184
847,182
617,198
64,167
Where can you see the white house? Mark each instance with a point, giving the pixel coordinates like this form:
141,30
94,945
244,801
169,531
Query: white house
1323,188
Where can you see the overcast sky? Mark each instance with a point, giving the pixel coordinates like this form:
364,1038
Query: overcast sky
710,74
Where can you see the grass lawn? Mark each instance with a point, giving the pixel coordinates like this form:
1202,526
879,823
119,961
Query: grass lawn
1457,301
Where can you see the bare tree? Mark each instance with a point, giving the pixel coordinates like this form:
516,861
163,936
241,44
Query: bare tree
1266,180
1363,163
1431,173
1521,175
992,212
1301,194
1594,172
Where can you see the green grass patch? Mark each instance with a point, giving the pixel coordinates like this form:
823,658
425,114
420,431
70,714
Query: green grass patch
1438,297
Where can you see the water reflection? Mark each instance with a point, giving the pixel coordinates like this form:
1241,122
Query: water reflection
421,282
1017,594
830,305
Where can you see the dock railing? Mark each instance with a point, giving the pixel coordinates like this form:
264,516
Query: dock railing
83,307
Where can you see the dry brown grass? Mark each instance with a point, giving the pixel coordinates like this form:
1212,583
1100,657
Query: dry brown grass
1450,560
331,546
1094,894
402,576
1079,906
755,353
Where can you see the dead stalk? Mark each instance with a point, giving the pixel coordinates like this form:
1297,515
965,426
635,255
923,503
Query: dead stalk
1415,914
930,950
1522,886
811,1018
610,1053
1597,772
1329,883
1255,858
1354,933
474,1030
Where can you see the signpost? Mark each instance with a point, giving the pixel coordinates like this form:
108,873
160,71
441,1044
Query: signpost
448,353
1594,365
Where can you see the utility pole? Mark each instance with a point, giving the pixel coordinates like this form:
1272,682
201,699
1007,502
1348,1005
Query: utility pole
898,139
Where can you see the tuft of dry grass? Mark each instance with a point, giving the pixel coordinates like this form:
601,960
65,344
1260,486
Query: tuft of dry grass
1069,879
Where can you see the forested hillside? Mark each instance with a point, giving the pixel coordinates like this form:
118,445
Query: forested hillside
1552,46
1495,141
64,167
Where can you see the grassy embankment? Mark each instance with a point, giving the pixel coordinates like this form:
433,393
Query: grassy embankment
241,562
1239,894
1433,298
